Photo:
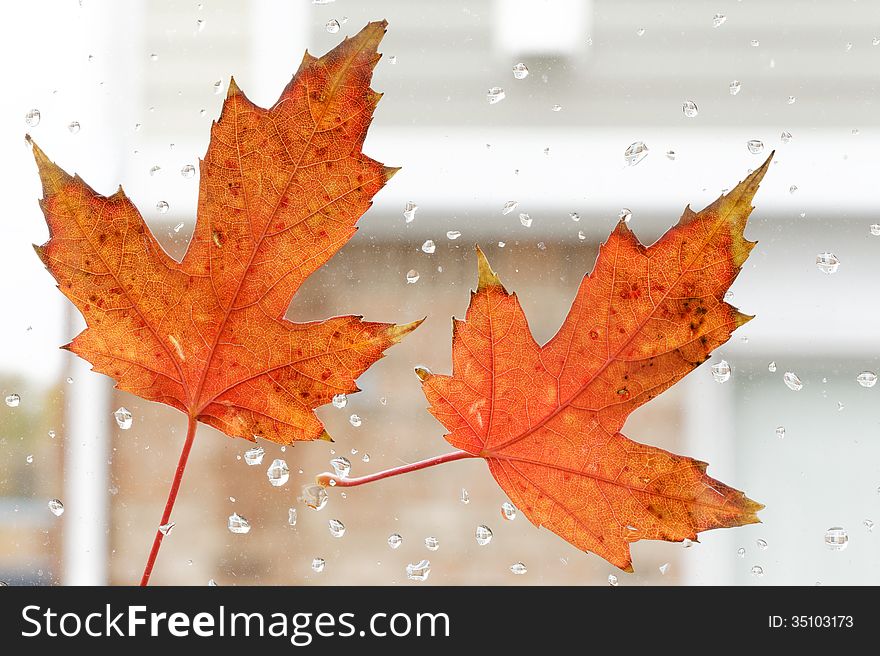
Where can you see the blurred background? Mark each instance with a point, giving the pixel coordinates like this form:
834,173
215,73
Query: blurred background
126,92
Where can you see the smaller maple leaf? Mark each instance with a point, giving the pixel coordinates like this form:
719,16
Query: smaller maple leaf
547,419
281,190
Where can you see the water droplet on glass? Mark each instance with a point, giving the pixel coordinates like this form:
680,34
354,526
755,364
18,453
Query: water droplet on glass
123,418
508,511
418,571
687,543
432,543
836,538
721,371
465,497
689,108
218,87
791,100
785,137
452,235
56,507
340,400
409,211
394,540
254,455
238,524
875,41
355,420
670,154
718,20
291,517
867,379
780,432
640,31
525,219
757,571
188,171
792,381
735,87
554,108
509,206
278,473
52,434
342,466
827,262
154,57
664,568
317,565
32,118
875,229
741,552
366,457
337,528
155,169
771,367
314,496
762,544
624,215
165,529
756,146
200,24
518,568
635,153
332,26
520,71
612,580
73,127
483,535
868,524
574,216
495,95
162,207
792,189
13,400
754,43
429,246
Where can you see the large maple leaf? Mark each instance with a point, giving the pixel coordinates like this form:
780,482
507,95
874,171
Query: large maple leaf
281,190
547,419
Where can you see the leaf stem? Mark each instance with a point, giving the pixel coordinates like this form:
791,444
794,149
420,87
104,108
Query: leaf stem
172,497
332,480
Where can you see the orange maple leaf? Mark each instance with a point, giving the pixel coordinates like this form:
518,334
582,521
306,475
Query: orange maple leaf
547,419
281,190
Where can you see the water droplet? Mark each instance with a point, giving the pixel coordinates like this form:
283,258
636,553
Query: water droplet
495,95
687,543
432,543
162,207
875,229
762,544
689,108
52,434
792,381
238,524
836,538
868,524
366,457
574,216
392,59
429,246
341,465
355,420
624,215
200,24
155,169
56,507
780,432
520,71
721,372
409,211
509,206
337,528
291,517
254,455
508,511
483,535
332,26
340,400
827,262
718,20
418,571
154,57
772,367
278,473
218,87
13,400
635,153
791,100
165,529
123,418
188,171
394,540
612,580
756,146
741,552
757,571
452,235
754,43
735,87
73,127
867,379
525,219
518,568
554,108
640,31
314,496
785,137
670,154
792,189
875,41
32,118
664,568
318,565
465,497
